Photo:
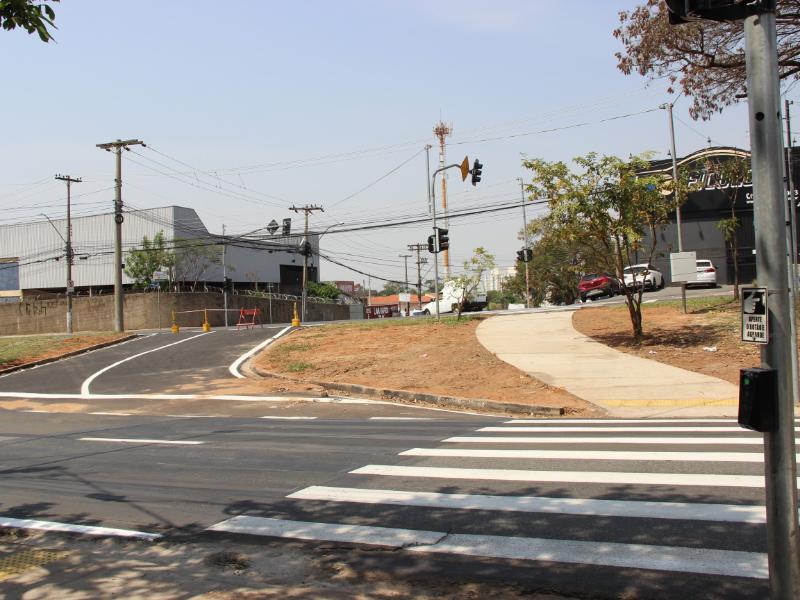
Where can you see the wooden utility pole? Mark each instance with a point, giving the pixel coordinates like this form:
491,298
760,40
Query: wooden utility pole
116,148
306,251
420,261
70,254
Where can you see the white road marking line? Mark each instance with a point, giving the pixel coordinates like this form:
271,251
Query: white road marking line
110,414
141,441
93,376
615,429
747,441
226,397
743,457
610,477
73,528
401,418
289,418
612,554
198,416
612,421
234,368
574,506
35,411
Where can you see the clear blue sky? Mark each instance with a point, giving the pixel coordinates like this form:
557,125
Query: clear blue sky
257,92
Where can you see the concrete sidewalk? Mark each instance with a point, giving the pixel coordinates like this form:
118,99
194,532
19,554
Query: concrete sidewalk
546,346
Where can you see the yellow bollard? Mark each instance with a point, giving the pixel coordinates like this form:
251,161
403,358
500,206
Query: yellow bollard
206,324
295,318
174,328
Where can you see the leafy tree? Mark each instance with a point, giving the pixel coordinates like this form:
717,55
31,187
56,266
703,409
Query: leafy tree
604,209
391,288
729,175
465,284
325,290
152,256
193,259
704,59
33,17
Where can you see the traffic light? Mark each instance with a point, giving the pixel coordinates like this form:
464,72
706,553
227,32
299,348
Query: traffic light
477,167
442,239
431,244
228,284
287,227
685,11
520,255
528,255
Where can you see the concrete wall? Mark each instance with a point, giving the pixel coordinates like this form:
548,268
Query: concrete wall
148,311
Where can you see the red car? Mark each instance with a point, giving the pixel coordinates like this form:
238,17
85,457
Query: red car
595,285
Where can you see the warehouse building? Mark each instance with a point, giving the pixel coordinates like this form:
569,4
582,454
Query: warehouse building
33,255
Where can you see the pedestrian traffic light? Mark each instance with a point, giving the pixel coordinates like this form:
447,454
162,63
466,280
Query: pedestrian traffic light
477,167
443,239
287,227
431,244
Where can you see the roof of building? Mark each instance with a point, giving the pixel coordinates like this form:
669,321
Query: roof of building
395,299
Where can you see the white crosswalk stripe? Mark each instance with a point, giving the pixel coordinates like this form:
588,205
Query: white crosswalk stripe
677,485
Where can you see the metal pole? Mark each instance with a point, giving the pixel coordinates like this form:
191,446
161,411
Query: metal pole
224,279
119,318
525,237
305,272
405,258
269,295
791,223
68,242
769,212
432,202
675,183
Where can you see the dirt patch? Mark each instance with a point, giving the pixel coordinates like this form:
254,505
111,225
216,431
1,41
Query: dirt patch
706,340
417,356
25,349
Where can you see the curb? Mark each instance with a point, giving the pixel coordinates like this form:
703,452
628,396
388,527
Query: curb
51,359
434,400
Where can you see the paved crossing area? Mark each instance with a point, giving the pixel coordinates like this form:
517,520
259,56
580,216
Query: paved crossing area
677,502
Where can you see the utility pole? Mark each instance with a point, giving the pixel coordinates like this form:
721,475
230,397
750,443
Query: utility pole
307,209
70,254
224,280
420,261
675,183
116,148
432,204
791,225
525,238
763,95
405,257
441,131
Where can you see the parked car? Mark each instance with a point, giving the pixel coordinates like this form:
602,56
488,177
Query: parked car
643,275
597,285
706,273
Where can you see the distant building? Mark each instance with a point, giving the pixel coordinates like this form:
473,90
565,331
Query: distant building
493,280
32,255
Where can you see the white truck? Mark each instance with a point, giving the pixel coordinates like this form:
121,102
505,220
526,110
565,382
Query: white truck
449,298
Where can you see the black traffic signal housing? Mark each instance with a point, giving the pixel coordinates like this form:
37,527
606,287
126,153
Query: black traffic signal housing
477,168
686,11
431,244
287,227
443,240
528,255
520,255
758,399
228,284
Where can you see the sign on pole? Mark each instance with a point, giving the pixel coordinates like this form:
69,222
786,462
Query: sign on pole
683,266
404,297
755,324
160,275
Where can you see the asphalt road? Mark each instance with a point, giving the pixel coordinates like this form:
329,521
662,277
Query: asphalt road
645,509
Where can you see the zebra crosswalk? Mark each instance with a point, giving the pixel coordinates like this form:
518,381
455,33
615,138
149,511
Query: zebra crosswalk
678,498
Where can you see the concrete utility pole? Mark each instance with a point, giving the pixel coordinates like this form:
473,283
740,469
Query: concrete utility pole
405,258
70,253
763,95
442,131
675,184
420,261
224,280
307,209
116,148
791,225
525,238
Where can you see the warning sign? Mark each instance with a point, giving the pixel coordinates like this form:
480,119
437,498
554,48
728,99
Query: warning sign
755,325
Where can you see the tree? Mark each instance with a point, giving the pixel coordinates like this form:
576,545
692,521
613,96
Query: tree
33,17
703,59
391,288
465,284
141,263
604,209
324,290
730,175
193,259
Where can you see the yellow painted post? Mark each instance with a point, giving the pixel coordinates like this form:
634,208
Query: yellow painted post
295,318
174,328
206,324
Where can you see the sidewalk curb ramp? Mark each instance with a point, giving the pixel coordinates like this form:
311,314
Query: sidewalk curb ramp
51,359
433,400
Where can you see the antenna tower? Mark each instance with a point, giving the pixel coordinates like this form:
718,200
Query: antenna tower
442,130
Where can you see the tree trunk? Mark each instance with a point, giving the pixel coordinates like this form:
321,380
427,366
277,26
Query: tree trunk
635,313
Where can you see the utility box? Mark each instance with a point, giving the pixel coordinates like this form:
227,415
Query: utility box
758,399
